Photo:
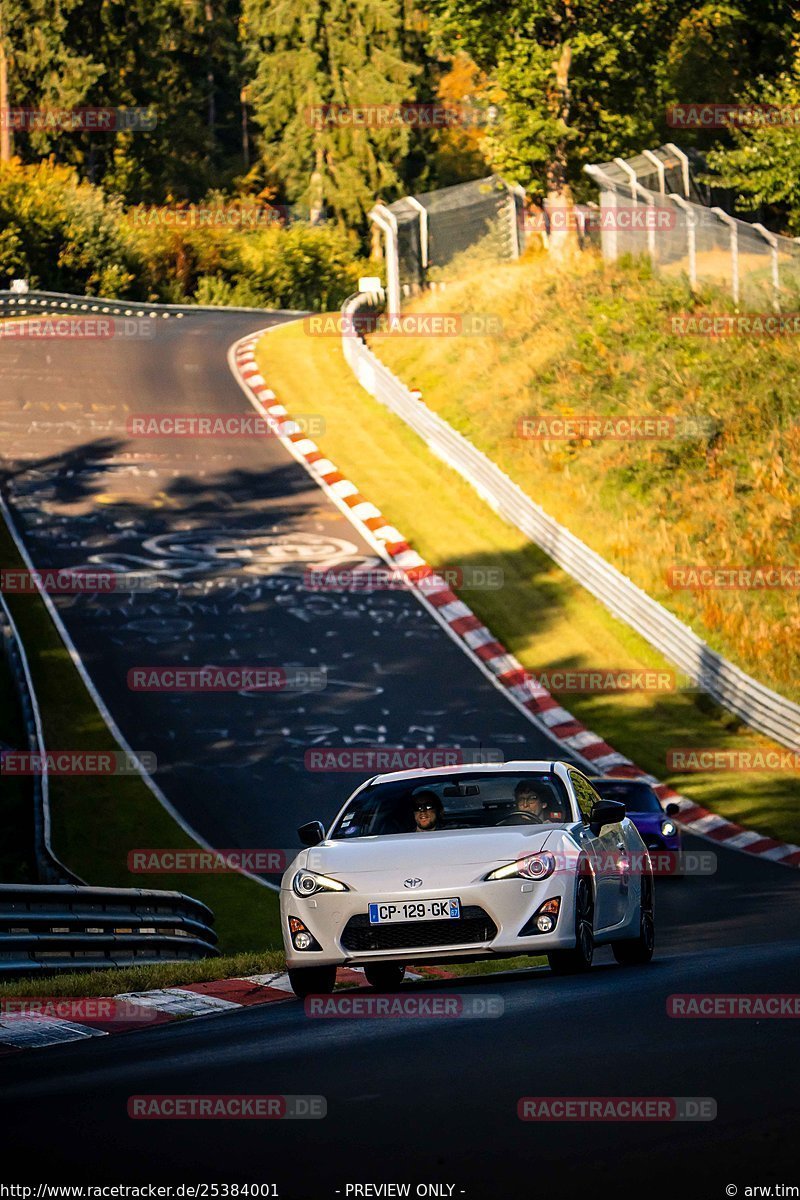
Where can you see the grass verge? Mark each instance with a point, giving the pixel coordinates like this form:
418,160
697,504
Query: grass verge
542,615
144,978
97,820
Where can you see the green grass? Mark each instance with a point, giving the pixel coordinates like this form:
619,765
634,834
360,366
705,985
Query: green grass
541,614
144,978
97,820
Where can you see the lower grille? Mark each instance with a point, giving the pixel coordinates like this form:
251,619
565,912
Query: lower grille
474,925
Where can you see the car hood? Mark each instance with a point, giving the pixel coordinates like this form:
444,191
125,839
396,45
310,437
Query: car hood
438,859
648,821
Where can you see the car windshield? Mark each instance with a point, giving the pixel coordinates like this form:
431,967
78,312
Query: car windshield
468,801
637,797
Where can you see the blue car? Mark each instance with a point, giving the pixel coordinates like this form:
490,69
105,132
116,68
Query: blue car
659,832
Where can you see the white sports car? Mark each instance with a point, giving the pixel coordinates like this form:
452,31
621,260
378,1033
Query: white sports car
466,863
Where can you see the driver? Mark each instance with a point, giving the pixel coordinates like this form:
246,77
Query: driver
528,800
427,812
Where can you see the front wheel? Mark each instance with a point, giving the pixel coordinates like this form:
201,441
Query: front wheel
311,981
575,962
385,977
637,952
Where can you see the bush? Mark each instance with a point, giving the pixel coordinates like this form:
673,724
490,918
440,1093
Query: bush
67,236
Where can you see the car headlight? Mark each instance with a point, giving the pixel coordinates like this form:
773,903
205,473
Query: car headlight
308,883
533,866
668,828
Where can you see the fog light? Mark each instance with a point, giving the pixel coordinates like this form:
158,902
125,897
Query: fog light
301,938
544,920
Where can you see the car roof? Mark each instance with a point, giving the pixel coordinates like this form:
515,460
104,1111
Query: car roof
620,779
505,768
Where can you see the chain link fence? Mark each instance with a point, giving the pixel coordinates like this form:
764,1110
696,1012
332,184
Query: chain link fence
430,235
652,204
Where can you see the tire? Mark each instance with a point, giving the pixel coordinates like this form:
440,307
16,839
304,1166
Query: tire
385,977
311,981
579,960
637,952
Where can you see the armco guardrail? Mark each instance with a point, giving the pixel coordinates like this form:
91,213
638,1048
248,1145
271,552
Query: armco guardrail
22,303
757,705
49,867
46,928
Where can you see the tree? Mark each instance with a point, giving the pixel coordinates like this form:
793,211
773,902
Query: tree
764,162
38,67
587,80
305,55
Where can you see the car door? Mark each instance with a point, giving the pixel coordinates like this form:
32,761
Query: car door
606,852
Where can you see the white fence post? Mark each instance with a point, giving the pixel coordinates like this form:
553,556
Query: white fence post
423,231
608,235
733,225
772,242
659,166
683,159
691,238
387,223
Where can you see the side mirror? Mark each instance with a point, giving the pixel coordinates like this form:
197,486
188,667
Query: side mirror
312,833
672,810
605,812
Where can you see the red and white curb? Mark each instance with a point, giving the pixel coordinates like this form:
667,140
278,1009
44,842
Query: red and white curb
128,1011
475,639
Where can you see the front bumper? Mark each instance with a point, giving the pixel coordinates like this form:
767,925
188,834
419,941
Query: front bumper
493,914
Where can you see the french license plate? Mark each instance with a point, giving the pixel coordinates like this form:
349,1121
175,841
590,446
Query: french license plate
415,910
